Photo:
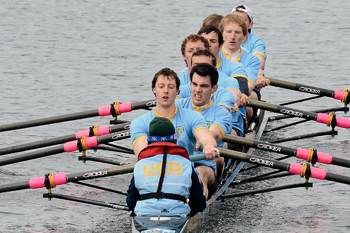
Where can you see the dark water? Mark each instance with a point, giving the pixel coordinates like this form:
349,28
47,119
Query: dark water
59,57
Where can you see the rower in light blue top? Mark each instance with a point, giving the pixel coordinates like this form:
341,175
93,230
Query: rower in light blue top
250,62
224,80
204,78
234,30
213,114
189,125
163,178
252,43
186,123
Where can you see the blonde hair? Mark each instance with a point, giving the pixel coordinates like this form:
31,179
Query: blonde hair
233,18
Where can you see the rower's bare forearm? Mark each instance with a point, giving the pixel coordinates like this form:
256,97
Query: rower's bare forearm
139,145
205,138
262,60
216,132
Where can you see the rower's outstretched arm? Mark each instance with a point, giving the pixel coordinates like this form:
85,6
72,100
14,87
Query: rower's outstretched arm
217,132
262,60
206,139
139,145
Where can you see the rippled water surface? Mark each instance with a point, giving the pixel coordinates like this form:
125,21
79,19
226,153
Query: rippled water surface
59,57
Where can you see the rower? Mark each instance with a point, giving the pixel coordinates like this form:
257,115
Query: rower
232,69
234,31
189,45
253,43
213,19
163,177
190,125
204,79
220,97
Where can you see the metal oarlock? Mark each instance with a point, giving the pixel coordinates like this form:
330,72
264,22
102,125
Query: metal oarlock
333,124
115,110
306,172
314,157
49,183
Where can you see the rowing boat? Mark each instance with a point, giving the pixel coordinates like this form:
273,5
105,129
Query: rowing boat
183,224
187,223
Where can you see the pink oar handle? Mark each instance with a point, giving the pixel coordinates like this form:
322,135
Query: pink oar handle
339,95
341,121
72,146
103,130
39,182
315,172
122,107
321,157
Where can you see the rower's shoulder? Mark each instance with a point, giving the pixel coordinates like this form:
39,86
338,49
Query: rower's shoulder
252,38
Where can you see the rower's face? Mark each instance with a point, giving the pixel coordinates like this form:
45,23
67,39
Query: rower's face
201,90
246,18
165,90
192,47
213,40
233,36
200,59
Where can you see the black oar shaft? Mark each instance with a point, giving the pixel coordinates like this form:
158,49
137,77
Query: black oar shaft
14,187
143,104
301,87
321,157
60,149
54,141
37,144
102,111
100,173
341,162
282,109
292,168
32,155
260,145
49,120
60,179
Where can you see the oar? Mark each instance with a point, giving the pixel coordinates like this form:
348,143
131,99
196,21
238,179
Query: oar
80,144
341,95
59,179
113,109
328,119
310,155
292,168
50,181
97,131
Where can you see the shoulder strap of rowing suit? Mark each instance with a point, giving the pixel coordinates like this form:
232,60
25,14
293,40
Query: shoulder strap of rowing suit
157,148
166,147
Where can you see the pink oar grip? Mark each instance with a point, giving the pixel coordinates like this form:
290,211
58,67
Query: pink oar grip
39,182
103,130
315,172
122,107
72,146
341,121
321,157
91,142
125,107
82,133
339,95
104,110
